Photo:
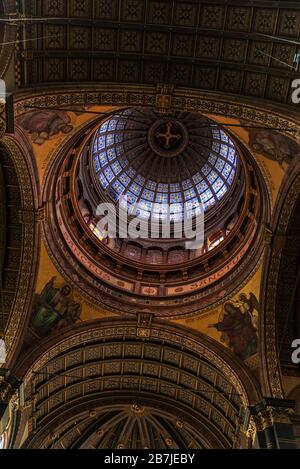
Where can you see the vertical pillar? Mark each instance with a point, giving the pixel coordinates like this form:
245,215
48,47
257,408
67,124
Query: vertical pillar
268,424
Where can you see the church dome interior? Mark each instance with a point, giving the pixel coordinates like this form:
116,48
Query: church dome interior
154,160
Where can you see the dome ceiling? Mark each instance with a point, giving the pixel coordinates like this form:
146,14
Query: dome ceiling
184,160
127,274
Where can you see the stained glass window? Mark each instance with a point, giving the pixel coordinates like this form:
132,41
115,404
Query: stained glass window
116,148
116,167
175,187
125,179
111,154
109,174
97,166
163,187
187,184
162,198
110,139
175,197
220,164
118,187
151,185
148,195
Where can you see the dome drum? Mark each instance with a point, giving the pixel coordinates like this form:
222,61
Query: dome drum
129,274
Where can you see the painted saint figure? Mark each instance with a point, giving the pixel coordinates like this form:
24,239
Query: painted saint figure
237,326
53,309
44,124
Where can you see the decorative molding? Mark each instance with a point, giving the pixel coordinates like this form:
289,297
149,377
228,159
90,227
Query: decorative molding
18,316
269,351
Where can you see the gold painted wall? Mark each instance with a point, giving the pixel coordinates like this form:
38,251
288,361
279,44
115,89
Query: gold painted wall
51,130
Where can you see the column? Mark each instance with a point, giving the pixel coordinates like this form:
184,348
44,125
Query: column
268,424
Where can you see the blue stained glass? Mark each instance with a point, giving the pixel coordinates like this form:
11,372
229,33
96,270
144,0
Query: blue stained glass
206,169
226,170
175,197
119,138
224,136
212,177
123,161
176,207
205,196
97,165
125,179
220,164
103,127
116,167
160,208
149,195
187,184
111,154
114,195
135,188
224,150
163,187
231,177
151,185
140,180
201,187
209,204
222,192
121,125
218,184
101,143
212,159
119,150
231,155
204,184
103,181
112,125
197,178
131,198
145,205
162,198
191,204
216,147
216,134
110,139
118,187
189,194
109,174
175,187
103,159
131,172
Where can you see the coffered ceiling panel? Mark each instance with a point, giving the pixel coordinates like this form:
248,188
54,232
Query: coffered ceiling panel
220,45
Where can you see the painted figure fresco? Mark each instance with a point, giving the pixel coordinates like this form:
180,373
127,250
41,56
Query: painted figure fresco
238,325
42,125
53,309
274,145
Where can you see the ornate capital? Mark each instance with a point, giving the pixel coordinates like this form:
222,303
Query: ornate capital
266,414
